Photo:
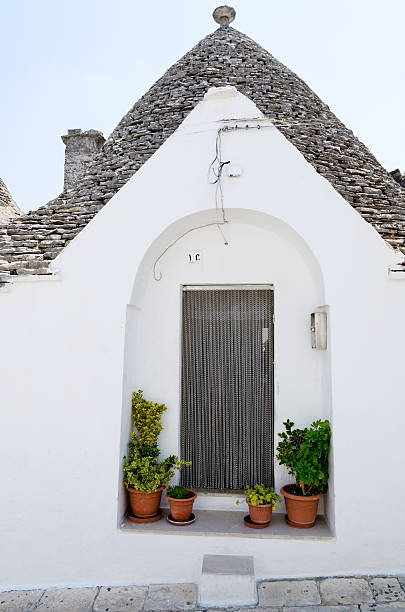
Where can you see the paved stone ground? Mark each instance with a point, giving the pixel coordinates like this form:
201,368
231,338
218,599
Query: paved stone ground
364,594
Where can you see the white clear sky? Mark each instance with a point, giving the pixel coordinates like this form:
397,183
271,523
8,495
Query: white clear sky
83,63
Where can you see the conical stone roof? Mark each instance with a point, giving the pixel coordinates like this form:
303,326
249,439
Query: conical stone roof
225,57
8,208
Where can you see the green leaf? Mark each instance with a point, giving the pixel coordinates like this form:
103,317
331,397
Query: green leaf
305,454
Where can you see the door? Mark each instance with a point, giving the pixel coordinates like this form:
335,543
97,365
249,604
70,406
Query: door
227,387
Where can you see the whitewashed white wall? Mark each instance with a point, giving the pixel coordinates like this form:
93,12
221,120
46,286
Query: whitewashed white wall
66,371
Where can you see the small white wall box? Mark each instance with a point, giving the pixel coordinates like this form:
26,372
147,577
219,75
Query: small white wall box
318,330
233,170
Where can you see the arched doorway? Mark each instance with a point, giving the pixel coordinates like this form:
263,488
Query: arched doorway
262,254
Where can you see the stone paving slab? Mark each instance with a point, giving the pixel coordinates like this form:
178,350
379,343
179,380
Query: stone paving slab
258,609
345,591
386,589
288,593
251,609
355,594
115,599
321,609
387,607
19,601
171,597
67,600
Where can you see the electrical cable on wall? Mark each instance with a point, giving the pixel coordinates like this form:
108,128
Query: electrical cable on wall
216,168
158,278
215,175
215,178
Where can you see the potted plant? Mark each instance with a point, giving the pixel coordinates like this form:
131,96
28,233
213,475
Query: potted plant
261,501
181,502
144,476
305,454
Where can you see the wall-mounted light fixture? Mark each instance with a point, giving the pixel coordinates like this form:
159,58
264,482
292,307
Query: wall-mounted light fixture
318,330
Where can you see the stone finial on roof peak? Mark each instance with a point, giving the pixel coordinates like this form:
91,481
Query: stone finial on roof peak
224,15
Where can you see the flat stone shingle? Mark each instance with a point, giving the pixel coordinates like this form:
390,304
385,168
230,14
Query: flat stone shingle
165,597
386,590
288,593
115,599
19,601
67,600
345,591
8,208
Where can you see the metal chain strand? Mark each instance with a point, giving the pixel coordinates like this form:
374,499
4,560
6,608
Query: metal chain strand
227,388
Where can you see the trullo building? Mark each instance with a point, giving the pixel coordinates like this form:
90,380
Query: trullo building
228,187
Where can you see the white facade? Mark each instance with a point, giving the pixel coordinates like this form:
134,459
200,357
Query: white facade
73,348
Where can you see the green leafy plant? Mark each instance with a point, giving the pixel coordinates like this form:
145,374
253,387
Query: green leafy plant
147,422
178,492
305,454
142,470
261,495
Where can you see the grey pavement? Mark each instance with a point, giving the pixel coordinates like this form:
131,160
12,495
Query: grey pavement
350,594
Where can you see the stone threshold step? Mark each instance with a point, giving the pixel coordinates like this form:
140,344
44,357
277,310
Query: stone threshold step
227,580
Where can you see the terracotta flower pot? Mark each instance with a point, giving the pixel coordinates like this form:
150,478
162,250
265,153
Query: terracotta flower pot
181,509
260,514
143,504
301,510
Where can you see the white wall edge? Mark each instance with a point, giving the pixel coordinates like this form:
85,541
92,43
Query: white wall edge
396,274
29,278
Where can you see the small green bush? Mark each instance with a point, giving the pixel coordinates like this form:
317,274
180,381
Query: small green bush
261,495
305,453
142,470
178,492
147,422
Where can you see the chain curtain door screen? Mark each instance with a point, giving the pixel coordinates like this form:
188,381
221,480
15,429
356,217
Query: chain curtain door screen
227,387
